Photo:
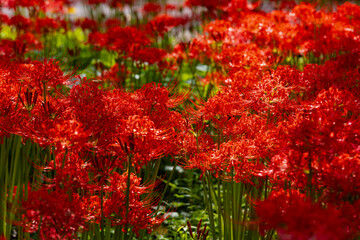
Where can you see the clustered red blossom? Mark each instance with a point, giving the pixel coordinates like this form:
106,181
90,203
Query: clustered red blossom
295,130
85,142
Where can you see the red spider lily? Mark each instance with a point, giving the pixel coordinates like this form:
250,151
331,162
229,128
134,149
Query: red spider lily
295,217
112,22
93,2
314,78
63,134
142,140
72,173
46,25
341,177
148,55
37,74
4,19
252,141
46,6
139,214
27,82
217,29
16,49
120,3
206,162
200,49
115,75
315,137
161,24
302,31
7,116
155,102
56,214
236,6
87,23
101,164
83,99
169,7
210,5
29,102
150,7
348,12
98,40
21,23
327,31
123,39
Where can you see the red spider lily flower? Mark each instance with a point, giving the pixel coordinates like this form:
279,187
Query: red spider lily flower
190,146
93,2
140,123
16,49
46,25
139,215
46,131
214,78
240,6
348,12
115,75
170,7
151,8
206,162
29,102
21,23
314,138
339,72
87,23
161,24
210,5
341,176
217,29
36,74
148,55
200,49
72,172
101,163
120,3
155,101
295,217
7,116
112,22
251,141
56,214
54,6
102,124
98,40
123,39
142,140
8,99
4,19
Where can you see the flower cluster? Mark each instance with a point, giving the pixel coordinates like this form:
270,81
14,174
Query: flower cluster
265,100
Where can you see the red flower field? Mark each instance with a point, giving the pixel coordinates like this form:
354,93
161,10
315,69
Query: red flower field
219,119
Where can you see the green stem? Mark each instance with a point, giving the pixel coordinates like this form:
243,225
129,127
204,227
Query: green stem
128,193
166,186
209,208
